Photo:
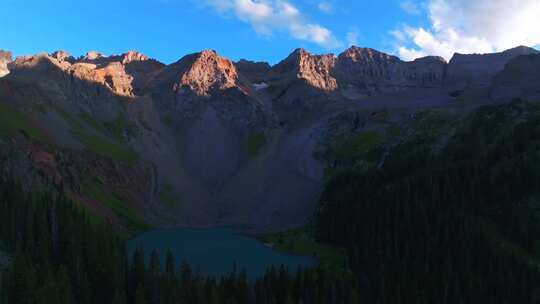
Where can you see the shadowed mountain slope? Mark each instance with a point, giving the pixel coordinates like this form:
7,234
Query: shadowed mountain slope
206,141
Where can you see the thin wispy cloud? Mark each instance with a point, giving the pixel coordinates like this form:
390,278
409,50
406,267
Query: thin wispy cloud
326,7
410,7
466,26
269,16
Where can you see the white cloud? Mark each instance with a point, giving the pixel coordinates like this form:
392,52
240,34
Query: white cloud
353,37
468,26
326,7
410,7
268,16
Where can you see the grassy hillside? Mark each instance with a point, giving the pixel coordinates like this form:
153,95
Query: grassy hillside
94,136
12,121
113,201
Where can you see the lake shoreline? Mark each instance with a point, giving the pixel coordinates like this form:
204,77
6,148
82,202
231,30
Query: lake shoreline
215,251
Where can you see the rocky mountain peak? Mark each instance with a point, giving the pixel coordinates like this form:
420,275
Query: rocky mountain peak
124,75
5,58
521,50
6,55
301,56
367,69
479,69
358,54
300,53
93,55
133,56
41,62
316,70
205,72
430,59
62,56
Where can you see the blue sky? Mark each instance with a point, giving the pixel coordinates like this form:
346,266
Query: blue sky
266,30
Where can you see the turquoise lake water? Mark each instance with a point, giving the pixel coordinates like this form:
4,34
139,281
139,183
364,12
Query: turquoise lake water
213,252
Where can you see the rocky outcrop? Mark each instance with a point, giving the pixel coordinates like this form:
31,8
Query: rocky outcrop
368,70
198,81
63,56
372,72
356,73
41,69
125,75
202,74
114,76
479,69
5,58
207,73
362,70
314,70
425,72
302,81
133,56
93,55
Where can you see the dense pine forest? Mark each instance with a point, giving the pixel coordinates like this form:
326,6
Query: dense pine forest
62,257
457,225
461,225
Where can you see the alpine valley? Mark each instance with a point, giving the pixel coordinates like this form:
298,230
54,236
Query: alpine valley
410,182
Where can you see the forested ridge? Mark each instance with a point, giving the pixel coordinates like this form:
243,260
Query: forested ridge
457,225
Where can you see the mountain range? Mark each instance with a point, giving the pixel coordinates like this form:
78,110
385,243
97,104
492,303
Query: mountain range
206,141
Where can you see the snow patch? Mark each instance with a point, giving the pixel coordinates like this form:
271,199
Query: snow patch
260,86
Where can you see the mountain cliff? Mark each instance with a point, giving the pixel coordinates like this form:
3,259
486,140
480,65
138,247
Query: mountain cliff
314,70
5,58
519,79
205,73
255,72
479,69
373,72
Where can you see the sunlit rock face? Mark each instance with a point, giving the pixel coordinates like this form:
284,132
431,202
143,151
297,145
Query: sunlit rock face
62,56
5,59
124,74
204,73
315,70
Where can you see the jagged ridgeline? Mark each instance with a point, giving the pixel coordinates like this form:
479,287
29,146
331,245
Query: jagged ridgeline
412,182
206,141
